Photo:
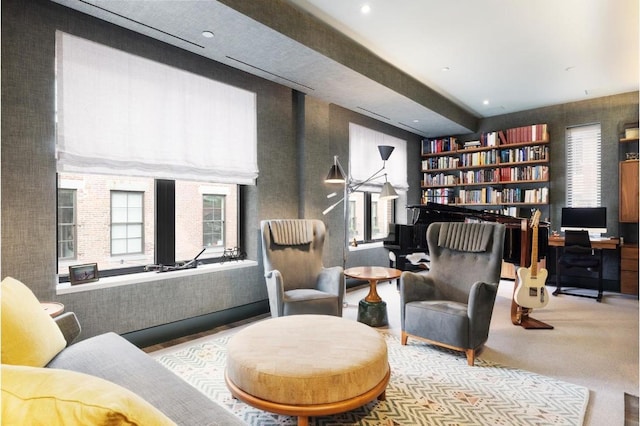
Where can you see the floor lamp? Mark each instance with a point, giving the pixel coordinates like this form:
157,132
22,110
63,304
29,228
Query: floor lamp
338,175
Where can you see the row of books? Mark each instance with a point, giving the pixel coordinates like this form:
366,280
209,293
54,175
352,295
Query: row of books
479,158
434,146
490,195
511,174
439,179
529,153
438,163
523,134
439,195
533,133
497,175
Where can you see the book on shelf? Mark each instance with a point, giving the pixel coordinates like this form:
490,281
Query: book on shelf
438,145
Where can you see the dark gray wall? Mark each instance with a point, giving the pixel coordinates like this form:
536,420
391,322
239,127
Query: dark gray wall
296,143
612,112
297,139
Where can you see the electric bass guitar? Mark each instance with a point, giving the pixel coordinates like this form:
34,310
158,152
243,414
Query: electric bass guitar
531,292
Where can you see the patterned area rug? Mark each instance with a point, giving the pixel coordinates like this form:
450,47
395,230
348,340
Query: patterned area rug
428,386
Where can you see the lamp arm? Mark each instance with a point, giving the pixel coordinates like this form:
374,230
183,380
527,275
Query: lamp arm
375,175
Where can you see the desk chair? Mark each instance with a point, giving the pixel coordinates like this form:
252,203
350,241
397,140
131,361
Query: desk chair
578,253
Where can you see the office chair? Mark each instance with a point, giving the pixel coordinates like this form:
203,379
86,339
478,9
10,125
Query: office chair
578,253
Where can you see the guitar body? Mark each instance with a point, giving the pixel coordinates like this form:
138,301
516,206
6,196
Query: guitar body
531,292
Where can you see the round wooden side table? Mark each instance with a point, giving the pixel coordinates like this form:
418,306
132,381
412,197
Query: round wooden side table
53,308
372,310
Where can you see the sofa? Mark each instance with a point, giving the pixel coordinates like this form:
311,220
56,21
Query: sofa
49,379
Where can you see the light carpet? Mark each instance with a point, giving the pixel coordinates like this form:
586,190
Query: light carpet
428,386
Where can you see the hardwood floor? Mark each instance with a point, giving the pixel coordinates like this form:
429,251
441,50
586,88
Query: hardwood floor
195,336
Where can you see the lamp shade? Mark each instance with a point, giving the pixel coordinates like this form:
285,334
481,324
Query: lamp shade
388,192
335,175
385,151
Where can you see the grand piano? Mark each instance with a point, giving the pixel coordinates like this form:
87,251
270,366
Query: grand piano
408,239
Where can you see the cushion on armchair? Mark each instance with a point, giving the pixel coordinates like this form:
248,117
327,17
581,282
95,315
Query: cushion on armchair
62,397
29,335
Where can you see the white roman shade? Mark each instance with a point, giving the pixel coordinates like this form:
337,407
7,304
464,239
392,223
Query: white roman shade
118,113
364,158
584,166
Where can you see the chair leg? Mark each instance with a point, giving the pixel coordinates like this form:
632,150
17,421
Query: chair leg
471,356
403,338
599,298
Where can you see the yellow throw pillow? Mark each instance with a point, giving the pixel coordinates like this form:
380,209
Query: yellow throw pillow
54,397
29,335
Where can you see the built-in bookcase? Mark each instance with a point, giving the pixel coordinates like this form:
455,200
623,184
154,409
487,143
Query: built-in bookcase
501,171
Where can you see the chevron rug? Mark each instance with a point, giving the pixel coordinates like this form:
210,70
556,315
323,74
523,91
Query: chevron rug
428,386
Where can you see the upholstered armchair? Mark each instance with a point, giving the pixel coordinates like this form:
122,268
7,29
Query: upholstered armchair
297,281
451,304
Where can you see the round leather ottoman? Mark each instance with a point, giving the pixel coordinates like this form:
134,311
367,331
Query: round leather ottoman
307,365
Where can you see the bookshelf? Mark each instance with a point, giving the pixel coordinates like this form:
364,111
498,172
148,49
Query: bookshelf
501,171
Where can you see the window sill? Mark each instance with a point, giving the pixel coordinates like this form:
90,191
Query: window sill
367,246
120,280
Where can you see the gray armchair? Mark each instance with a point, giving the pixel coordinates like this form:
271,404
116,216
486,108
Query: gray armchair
451,304
297,281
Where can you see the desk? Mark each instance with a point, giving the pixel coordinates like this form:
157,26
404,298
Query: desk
605,243
372,310
598,244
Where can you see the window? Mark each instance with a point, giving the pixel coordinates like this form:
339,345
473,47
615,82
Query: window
370,217
213,220
126,222
66,224
146,147
583,147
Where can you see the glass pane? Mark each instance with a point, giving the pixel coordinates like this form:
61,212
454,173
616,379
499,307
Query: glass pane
65,197
119,231
119,247
101,218
65,233
356,216
134,231
381,212
119,215
134,245
195,211
135,200
65,215
118,199
134,214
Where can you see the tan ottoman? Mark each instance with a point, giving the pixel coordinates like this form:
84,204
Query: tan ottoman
307,365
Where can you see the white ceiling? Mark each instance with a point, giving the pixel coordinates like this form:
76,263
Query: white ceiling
516,54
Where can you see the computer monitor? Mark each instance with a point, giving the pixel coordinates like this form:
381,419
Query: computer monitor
591,219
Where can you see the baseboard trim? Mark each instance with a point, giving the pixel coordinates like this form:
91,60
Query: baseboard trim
165,332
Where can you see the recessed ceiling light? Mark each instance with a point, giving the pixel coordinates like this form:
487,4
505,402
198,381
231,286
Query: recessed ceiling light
445,69
207,34
416,121
485,102
365,9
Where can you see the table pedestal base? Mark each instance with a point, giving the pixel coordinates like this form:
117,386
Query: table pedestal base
373,314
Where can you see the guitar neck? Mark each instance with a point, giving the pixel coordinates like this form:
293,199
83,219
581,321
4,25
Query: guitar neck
534,252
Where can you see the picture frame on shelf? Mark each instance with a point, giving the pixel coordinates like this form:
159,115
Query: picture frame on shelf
82,274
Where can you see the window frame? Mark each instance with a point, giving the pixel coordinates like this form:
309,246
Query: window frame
141,224
221,221
73,224
577,194
367,207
